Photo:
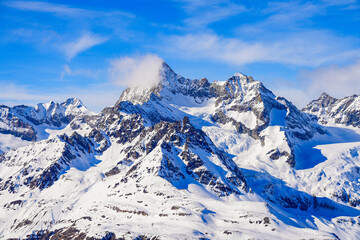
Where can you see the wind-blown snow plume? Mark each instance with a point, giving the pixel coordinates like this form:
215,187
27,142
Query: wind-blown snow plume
187,159
141,71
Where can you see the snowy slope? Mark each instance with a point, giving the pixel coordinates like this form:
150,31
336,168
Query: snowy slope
8,142
330,110
30,123
185,159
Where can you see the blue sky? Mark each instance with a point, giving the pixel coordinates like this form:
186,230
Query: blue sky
59,49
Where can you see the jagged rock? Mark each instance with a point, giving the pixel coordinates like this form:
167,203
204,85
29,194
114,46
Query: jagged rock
339,111
182,144
41,168
21,121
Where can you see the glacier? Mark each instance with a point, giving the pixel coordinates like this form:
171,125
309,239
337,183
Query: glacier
184,159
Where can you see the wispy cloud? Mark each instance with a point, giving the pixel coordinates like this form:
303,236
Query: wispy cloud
18,94
81,44
88,27
59,9
95,97
48,40
293,34
283,17
280,33
202,13
36,37
311,48
89,73
142,71
67,69
338,81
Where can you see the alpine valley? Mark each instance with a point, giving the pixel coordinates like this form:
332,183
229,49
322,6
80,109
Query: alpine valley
183,159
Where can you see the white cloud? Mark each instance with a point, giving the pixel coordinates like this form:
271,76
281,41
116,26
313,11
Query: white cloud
44,40
192,5
95,97
16,94
281,35
67,69
202,13
89,73
204,17
136,71
82,44
61,10
298,96
335,80
48,40
39,38
310,48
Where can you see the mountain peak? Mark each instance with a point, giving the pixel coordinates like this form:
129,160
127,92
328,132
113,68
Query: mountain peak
165,67
325,100
240,79
329,109
239,74
186,147
171,84
324,95
168,85
72,101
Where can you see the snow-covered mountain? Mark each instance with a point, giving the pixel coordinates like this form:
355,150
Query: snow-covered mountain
184,159
330,110
29,123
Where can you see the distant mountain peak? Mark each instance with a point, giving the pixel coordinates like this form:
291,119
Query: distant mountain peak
230,158
169,85
240,75
332,110
22,121
73,101
325,96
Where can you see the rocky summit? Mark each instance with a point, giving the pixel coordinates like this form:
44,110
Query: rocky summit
182,159
330,110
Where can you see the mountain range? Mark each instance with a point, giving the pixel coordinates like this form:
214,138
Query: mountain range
182,159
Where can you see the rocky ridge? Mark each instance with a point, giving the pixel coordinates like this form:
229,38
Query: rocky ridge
240,101
330,110
183,159
22,121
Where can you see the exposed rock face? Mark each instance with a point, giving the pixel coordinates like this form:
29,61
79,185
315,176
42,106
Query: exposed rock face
40,164
339,111
220,156
174,141
51,113
22,121
241,101
169,85
242,95
184,147
14,125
